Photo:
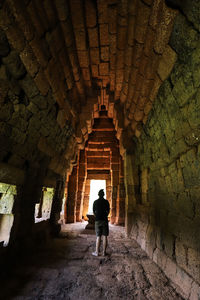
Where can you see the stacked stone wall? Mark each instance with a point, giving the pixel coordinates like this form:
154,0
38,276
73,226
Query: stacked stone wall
166,222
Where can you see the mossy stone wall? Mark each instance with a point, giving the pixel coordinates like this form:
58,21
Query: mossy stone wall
167,154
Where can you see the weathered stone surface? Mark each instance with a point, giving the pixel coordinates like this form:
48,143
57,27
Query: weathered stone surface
14,65
104,36
29,61
166,63
40,49
103,69
62,9
183,39
46,114
42,83
125,273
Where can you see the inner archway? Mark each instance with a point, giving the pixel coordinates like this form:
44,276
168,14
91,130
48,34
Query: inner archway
95,186
99,160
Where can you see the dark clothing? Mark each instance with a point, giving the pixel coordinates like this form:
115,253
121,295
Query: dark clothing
101,209
101,228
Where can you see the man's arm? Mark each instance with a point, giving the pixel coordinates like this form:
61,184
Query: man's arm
94,208
107,208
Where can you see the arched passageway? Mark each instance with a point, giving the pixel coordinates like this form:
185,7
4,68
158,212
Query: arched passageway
64,65
101,160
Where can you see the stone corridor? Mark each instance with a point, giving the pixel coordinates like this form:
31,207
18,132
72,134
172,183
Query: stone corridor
100,90
67,270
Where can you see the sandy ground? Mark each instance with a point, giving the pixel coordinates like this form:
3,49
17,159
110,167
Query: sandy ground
67,270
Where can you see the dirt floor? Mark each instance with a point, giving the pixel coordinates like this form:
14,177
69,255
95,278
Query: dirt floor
67,270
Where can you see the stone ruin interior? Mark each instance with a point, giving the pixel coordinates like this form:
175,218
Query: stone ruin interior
102,90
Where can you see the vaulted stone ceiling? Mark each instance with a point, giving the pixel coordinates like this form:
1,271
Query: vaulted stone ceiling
83,54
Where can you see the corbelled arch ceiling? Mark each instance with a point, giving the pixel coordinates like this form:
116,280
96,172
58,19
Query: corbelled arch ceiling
84,54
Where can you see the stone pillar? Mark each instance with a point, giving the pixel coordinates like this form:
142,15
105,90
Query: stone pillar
120,211
30,194
86,198
130,201
66,195
56,207
115,182
81,185
108,190
72,196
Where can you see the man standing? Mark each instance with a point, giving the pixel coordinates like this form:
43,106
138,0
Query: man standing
101,209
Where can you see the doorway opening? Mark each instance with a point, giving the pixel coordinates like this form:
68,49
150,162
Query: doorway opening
95,186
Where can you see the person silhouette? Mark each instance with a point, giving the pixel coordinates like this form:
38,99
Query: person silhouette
101,209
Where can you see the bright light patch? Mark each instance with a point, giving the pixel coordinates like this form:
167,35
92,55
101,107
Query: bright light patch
95,186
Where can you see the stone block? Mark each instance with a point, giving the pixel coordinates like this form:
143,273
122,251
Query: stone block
102,11
80,38
95,70
83,58
77,13
39,51
35,18
171,269
61,118
148,107
131,30
155,88
86,74
53,75
195,291
183,280
62,9
121,37
103,68
14,65
112,11
166,63
57,42
104,36
28,58
67,32
50,13
29,86
143,13
113,43
193,257
183,38
104,53
42,83
94,56
164,30
16,37
90,10
93,37
23,19
138,114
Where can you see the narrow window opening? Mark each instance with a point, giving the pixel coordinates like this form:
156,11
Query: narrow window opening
95,186
7,197
43,209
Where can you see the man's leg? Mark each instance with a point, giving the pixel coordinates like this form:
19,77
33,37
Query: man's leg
105,242
98,242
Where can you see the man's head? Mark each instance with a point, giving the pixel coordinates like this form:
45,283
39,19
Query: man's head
101,193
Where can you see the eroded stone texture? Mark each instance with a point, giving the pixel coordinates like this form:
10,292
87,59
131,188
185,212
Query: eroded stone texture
68,270
59,62
166,223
